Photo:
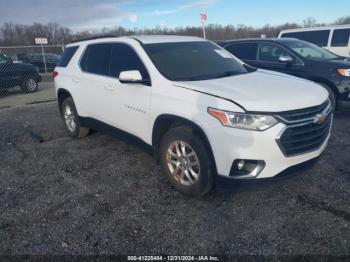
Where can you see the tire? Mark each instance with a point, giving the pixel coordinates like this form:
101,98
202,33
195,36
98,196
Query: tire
29,84
71,119
332,95
186,181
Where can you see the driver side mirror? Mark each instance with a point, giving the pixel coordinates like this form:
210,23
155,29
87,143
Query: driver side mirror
132,77
285,59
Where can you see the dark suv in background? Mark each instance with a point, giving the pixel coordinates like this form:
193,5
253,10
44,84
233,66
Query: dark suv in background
37,59
18,74
298,58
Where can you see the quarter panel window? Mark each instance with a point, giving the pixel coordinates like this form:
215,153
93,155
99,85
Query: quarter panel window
319,37
67,55
124,58
340,37
245,51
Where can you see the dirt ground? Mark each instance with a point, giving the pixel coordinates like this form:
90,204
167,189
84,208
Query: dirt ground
105,195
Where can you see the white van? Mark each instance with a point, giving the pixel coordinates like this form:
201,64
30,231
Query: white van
332,38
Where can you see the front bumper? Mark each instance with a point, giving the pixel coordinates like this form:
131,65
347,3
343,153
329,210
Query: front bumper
230,144
343,86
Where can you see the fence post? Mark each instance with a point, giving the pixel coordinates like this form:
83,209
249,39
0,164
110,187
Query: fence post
42,51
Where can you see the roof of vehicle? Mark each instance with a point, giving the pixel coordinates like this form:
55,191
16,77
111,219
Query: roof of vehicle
152,39
315,28
279,40
146,39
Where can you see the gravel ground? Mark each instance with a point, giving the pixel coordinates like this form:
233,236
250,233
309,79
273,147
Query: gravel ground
102,195
16,97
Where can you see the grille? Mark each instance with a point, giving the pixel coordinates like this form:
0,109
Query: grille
302,115
302,134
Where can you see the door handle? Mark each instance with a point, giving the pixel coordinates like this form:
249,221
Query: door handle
109,87
75,80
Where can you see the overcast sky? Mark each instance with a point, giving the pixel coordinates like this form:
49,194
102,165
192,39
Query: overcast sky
94,14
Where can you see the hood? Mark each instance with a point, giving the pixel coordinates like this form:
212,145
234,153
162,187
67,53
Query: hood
338,63
263,91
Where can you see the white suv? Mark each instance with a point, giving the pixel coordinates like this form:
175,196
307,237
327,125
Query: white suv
203,111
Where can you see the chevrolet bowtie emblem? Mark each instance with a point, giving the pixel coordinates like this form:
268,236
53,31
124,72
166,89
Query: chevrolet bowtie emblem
320,118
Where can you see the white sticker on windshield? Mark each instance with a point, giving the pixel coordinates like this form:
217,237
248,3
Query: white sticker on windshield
222,53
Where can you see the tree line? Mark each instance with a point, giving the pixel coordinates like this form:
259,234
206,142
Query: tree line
12,34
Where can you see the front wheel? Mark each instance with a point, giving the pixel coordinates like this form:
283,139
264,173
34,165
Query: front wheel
29,85
71,119
185,161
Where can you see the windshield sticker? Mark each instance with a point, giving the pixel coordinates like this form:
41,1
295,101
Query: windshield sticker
222,53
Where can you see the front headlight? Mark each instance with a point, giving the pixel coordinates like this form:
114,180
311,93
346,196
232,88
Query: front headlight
344,72
243,121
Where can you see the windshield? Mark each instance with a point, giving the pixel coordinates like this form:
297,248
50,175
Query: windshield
310,51
193,61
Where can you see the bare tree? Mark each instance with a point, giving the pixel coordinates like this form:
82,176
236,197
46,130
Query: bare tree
18,34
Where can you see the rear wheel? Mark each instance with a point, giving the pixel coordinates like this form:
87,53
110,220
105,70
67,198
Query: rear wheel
29,84
185,161
332,95
70,118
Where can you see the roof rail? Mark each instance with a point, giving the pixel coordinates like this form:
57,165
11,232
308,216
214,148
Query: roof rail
92,38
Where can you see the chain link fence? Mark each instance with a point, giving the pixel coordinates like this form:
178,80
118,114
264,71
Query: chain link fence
25,73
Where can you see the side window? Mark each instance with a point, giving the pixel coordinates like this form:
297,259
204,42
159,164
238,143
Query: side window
270,53
124,58
319,37
67,55
341,37
245,51
96,59
3,59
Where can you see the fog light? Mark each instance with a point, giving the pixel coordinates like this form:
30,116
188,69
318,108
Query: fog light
240,164
245,168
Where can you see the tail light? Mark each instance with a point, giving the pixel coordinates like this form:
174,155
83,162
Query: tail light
54,74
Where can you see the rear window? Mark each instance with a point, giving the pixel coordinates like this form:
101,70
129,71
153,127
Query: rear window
67,56
341,37
245,51
319,37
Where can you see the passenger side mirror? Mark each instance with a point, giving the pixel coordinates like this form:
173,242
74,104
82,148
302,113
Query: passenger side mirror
132,77
285,59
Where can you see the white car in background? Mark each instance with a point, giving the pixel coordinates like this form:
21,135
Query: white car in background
203,111
333,38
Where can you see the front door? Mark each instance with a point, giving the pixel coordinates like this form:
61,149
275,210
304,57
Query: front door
268,57
126,105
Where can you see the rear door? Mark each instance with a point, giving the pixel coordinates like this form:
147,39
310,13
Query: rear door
91,83
246,51
340,43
